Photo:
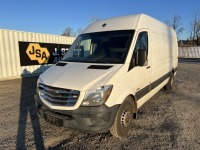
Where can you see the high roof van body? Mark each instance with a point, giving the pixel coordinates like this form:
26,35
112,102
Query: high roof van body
109,72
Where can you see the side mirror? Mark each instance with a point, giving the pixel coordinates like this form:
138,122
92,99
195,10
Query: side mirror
141,57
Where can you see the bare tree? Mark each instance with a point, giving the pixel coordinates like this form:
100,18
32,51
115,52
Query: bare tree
68,32
176,24
195,29
79,31
192,32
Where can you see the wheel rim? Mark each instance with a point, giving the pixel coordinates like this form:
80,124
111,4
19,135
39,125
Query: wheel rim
125,118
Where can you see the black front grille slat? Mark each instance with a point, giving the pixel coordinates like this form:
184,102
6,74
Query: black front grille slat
57,90
58,96
62,100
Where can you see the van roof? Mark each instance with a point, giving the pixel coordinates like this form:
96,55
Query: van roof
131,22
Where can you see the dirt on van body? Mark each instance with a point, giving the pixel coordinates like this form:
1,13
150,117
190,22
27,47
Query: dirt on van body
169,120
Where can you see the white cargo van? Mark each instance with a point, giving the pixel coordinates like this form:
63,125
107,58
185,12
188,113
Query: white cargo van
110,71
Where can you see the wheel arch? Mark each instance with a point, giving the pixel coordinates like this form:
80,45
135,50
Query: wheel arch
128,92
134,102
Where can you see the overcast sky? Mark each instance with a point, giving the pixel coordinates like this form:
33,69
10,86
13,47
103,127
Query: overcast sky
53,16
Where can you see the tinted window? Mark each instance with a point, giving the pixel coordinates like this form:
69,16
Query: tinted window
101,47
142,42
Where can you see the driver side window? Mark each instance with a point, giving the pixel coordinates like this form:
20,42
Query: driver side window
141,46
142,42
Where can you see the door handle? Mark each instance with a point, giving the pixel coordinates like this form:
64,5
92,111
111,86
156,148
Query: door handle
148,67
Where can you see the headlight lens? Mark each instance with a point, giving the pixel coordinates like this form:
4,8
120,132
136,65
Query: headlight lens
98,96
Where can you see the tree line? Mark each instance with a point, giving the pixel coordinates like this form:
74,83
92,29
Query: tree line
70,32
176,23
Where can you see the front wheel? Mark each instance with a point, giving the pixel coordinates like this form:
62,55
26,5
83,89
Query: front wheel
123,120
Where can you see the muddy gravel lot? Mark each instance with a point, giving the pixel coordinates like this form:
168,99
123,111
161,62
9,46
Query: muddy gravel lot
169,120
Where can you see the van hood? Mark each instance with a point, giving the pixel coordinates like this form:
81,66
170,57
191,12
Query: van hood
78,76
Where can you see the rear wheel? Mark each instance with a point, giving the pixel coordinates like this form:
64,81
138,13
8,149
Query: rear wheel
168,86
123,120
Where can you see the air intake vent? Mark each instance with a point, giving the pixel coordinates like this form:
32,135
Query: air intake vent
61,64
99,67
58,96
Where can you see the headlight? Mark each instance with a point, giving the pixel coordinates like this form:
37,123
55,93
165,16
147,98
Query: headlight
98,96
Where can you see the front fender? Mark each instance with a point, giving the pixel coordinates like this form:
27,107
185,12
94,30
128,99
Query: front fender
118,96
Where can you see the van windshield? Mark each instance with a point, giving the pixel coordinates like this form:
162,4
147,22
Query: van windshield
100,47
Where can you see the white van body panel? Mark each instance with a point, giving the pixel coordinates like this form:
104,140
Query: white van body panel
64,77
162,59
112,24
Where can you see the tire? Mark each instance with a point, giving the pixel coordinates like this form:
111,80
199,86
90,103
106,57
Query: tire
169,85
124,118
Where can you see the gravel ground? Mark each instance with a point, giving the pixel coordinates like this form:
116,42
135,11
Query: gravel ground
169,120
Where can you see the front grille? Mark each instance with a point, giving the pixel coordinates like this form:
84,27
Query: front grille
58,96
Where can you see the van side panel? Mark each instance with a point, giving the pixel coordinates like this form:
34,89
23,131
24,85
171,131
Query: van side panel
164,55
164,58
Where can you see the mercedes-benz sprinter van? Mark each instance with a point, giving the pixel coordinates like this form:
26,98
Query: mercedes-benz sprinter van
109,72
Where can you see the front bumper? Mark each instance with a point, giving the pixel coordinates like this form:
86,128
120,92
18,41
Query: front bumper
87,119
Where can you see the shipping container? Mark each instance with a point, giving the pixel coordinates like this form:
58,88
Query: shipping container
27,53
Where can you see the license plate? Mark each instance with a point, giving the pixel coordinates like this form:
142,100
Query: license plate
53,120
